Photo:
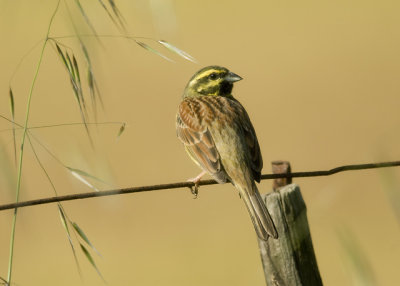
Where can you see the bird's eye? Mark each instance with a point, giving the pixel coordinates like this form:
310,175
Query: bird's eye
213,76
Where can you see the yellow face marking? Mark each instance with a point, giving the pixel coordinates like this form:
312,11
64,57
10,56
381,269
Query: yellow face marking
205,83
209,85
204,75
208,72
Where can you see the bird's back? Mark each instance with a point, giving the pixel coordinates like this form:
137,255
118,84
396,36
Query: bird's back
231,131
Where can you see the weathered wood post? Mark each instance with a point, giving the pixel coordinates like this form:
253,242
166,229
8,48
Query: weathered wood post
290,259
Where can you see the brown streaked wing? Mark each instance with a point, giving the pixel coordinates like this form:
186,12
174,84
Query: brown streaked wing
197,139
251,141
256,158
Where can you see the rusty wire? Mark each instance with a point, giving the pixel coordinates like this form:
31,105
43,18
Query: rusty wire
191,185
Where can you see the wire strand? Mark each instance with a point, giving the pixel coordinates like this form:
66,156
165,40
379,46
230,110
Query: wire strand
191,185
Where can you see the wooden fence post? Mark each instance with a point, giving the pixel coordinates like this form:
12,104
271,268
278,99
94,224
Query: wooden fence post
290,259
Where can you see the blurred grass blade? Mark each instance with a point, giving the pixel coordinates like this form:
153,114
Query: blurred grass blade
76,69
68,65
42,166
177,51
65,224
61,54
359,265
12,104
391,186
108,13
91,81
150,49
79,174
83,173
12,108
78,82
115,8
90,258
8,173
85,16
85,52
117,13
4,281
75,79
84,237
121,130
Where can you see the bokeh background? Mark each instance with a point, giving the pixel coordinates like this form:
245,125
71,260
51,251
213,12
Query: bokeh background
321,85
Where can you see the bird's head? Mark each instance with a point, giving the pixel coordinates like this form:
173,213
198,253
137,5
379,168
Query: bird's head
212,80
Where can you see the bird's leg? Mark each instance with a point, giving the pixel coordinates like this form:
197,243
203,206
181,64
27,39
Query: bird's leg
196,180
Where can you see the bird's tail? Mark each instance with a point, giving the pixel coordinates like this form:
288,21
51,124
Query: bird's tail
259,214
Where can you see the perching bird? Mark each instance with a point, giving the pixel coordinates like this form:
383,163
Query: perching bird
219,137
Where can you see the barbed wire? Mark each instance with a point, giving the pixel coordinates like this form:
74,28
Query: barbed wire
191,185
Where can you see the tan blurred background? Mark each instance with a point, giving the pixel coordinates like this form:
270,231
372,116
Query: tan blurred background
321,84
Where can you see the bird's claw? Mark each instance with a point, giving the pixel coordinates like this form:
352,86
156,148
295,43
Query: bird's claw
196,181
195,190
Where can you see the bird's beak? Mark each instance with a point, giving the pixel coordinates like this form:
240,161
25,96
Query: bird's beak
232,77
